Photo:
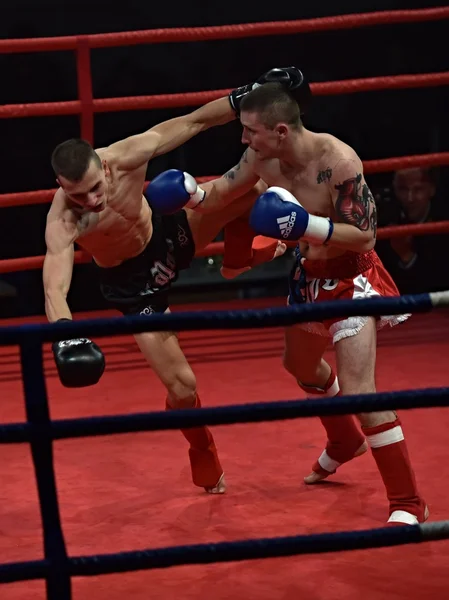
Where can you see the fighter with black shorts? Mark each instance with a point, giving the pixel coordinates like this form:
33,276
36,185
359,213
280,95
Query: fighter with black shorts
139,252
140,285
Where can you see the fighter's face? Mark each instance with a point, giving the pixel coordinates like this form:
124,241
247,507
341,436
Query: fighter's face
91,192
266,143
414,192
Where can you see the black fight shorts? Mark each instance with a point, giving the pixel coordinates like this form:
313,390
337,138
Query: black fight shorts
141,285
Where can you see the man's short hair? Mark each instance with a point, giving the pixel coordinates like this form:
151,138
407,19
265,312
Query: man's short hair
427,174
274,105
72,158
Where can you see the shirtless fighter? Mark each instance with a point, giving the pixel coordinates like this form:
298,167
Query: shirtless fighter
318,195
139,252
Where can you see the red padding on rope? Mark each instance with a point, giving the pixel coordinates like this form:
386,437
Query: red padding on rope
36,262
102,105
244,30
382,165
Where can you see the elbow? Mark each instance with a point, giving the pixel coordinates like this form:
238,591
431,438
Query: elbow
368,244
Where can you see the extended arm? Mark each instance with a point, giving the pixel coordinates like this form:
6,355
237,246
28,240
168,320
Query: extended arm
172,190
79,361
137,150
58,267
232,185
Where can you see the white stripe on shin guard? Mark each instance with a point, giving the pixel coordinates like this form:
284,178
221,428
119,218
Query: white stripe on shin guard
333,390
385,438
328,463
330,392
402,516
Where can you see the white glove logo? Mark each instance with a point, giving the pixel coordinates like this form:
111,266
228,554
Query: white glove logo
77,342
286,224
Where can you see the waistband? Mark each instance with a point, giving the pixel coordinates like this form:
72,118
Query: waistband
346,266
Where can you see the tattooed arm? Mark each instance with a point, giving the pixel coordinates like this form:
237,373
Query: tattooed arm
232,185
355,226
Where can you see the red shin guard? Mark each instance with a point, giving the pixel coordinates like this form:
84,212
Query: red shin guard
263,250
242,248
344,437
204,462
238,240
391,455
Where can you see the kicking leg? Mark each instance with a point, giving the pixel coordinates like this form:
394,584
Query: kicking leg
243,249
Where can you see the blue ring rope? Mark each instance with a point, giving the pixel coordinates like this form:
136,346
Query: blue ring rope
57,568
194,554
207,320
59,429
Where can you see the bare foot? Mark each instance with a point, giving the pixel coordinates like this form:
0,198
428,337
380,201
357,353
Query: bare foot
315,477
219,488
280,250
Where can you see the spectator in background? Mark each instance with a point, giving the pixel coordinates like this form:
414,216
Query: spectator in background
414,262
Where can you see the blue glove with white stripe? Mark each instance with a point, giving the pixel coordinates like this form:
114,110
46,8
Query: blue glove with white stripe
173,190
277,214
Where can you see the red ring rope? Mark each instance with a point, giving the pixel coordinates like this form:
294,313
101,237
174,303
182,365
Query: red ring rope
381,165
244,30
36,262
101,105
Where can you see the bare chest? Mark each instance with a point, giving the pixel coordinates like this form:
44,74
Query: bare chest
121,230
310,187
125,209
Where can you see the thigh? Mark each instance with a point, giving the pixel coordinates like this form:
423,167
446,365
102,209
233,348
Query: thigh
206,227
303,353
356,360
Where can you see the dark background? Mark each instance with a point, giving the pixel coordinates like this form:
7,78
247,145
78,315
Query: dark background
377,124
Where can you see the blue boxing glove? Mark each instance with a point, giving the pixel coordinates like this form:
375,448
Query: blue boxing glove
276,213
172,190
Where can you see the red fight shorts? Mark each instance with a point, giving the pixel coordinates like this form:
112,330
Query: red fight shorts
351,276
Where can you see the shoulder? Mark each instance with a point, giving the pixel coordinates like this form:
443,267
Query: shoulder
339,162
58,205
111,154
248,157
339,156
61,213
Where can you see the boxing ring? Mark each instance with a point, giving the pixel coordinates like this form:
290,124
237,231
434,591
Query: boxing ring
77,482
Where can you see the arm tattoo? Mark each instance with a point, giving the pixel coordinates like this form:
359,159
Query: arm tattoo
325,175
355,204
231,173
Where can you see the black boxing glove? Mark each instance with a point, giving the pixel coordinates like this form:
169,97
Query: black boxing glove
290,77
80,362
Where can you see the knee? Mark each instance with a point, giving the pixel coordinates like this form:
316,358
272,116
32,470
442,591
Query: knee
306,372
181,388
299,369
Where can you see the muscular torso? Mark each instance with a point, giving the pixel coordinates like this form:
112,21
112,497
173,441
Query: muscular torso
310,185
123,229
